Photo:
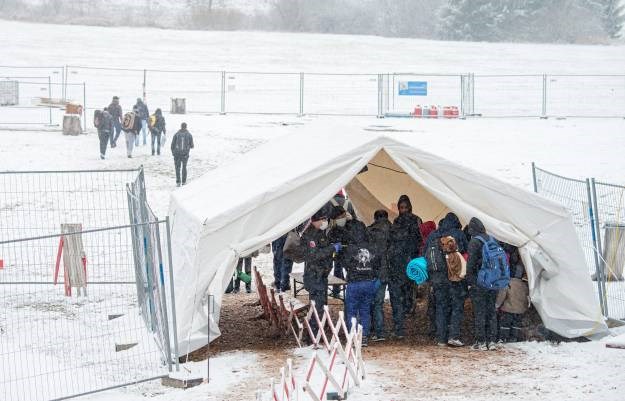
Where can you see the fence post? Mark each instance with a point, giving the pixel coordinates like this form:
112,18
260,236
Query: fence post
462,97
64,84
601,277
301,94
380,96
50,95
145,74
534,178
223,92
84,106
163,294
544,105
472,93
173,292
595,250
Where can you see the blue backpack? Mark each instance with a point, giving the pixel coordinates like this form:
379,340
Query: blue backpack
494,273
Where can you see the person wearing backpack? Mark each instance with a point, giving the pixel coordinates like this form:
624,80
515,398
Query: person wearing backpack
157,130
513,301
378,232
404,245
181,145
443,253
131,126
104,124
144,114
117,115
486,270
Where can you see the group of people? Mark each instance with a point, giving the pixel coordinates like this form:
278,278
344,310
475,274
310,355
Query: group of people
111,121
376,259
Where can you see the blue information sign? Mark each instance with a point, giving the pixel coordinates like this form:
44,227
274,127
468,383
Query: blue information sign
413,88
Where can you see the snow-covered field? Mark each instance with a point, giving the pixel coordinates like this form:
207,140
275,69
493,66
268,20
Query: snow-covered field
502,147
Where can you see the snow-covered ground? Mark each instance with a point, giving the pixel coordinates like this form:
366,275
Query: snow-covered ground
504,148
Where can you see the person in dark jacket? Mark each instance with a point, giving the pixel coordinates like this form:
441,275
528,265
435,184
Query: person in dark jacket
340,200
410,287
404,245
181,145
282,266
379,232
448,296
117,114
362,267
105,130
144,114
158,131
317,251
132,133
483,300
513,302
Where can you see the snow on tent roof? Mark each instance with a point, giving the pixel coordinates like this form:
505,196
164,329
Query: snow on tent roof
250,201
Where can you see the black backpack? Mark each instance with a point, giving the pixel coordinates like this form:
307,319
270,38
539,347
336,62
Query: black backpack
98,118
435,258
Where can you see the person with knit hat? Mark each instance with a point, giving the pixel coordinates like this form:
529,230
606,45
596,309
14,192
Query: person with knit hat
378,232
181,145
404,245
317,251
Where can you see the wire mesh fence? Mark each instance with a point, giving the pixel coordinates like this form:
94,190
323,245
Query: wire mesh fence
598,212
84,294
361,94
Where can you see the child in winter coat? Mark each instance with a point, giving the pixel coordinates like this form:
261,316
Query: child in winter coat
513,301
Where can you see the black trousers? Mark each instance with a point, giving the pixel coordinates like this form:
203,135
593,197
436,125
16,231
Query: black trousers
104,139
485,314
180,161
321,299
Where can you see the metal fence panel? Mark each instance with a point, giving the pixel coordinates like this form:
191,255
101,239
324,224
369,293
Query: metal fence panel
586,95
611,218
52,345
202,90
341,94
251,92
442,90
508,95
573,194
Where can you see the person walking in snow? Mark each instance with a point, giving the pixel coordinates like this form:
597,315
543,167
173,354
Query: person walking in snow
115,109
105,130
144,114
157,130
181,145
132,133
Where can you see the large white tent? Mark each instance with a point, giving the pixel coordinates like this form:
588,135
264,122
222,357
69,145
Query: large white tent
245,204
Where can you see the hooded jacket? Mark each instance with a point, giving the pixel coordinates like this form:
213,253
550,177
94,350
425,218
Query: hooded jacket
159,125
404,244
379,233
358,255
474,263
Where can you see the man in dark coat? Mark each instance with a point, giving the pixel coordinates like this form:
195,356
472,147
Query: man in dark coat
117,114
105,130
144,114
361,263
340,200
404,245
318,252
181,145
483,300
448,296
158,131
379,232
